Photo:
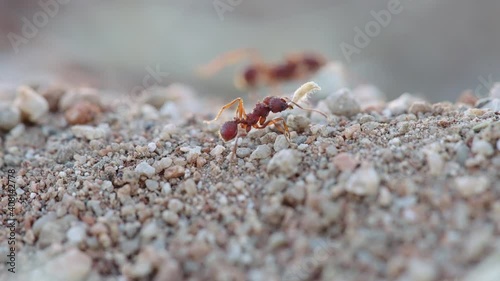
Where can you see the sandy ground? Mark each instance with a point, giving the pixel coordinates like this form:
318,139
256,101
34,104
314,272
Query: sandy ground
400,190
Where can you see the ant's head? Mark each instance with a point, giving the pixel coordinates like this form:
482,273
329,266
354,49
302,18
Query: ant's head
229,130
277,104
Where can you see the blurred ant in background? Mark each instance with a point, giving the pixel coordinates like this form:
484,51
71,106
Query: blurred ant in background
295,67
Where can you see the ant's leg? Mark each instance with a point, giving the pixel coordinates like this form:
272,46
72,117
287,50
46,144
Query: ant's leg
238,111
275,121
226,59
262,120
234,148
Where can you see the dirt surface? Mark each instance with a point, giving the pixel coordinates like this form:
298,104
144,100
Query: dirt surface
145,190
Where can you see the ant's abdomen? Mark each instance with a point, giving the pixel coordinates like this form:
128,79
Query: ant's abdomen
229,130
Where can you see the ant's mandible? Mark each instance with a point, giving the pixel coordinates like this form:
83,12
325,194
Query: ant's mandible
258,117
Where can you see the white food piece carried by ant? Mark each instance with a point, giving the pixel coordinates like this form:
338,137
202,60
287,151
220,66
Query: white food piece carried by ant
304,91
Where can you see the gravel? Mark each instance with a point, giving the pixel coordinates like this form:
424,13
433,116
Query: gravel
398,190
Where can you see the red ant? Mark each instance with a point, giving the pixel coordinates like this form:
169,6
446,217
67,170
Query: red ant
295,67
258,117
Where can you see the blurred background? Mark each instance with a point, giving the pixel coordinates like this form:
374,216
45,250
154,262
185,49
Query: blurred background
434,47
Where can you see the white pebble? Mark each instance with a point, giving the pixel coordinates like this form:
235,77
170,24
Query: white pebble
302,146
435,162
280,143
10,116
218,150
151,146
71,265
420,107
162,164
90,132
152,185
170,217
385,197
364,181
166,188
422,270
262,151
145,169
343,103
32,105
243,152
285,162
470,185
175,205
76,234
395,141
482,147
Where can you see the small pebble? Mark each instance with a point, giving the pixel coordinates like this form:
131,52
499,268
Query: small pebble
435,162
218,150
350,131
385,197
152,184
243,152
468,186
368,127
345,162
285,162
144,168
151,146
365,181
302,146
78,95
81,113
261,152
343,103
420,107
401,104
170,217
32,105
76,234
10,116
298,123
190,187
174,172
90,132
162,164
280,143
422,270
482,147
175,205
71,265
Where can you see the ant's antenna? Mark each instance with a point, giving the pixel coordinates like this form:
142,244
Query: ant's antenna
308,109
